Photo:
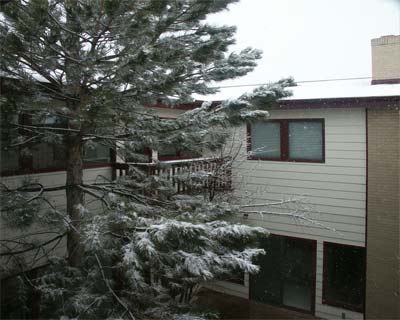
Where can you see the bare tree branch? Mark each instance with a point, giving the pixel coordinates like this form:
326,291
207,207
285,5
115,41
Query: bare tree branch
33,246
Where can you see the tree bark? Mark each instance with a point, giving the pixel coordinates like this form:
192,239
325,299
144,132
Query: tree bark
75,199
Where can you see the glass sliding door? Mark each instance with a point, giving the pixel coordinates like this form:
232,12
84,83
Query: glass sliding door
266,286
297,273
287,275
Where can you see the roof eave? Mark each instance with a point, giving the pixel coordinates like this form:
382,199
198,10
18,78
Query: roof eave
346,102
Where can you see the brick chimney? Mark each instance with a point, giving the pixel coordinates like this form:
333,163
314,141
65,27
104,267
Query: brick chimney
385,59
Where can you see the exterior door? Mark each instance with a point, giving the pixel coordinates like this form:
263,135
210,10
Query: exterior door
287,273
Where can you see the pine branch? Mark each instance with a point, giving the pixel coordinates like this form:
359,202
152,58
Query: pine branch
33,66
26,201
294,215
46,128
18,144
56,92
110,289
61,26
30,188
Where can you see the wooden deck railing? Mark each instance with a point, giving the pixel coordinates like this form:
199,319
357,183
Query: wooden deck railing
188,175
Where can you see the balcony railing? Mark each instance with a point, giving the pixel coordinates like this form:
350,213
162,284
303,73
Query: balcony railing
188,175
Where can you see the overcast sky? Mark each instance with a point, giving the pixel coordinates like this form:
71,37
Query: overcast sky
308,39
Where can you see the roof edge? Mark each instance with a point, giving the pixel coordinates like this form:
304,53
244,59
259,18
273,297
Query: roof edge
348,102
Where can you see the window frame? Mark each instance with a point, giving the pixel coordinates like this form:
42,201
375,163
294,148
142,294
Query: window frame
284,141
340,304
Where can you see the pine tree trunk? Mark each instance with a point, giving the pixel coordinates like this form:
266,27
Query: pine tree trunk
74,199
74,143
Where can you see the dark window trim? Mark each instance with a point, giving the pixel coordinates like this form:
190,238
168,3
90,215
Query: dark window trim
313,243
324,266
284,124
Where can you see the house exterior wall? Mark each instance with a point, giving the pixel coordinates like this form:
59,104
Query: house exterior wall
168,112
383,219
334,192
58,200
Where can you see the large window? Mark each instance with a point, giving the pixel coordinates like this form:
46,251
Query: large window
287,273
40,156
287,140
97,153
344,276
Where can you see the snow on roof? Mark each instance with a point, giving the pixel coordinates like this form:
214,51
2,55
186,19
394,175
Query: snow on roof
342,89
327,89
322,89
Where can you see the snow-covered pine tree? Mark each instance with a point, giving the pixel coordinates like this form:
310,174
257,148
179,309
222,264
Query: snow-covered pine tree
92,68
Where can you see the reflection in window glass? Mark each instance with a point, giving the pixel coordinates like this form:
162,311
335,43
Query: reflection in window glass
97,153
344,275
266,139
305,140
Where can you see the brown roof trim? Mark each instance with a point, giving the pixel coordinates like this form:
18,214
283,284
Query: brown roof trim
349,102
353,102
385,81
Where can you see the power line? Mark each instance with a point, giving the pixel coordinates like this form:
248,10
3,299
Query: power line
302,81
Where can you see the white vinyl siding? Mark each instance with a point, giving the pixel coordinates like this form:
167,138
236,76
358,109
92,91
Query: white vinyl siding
333,193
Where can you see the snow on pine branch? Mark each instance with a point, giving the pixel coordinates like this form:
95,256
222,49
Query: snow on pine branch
226,232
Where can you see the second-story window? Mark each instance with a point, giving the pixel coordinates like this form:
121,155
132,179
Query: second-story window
299,140
39,154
